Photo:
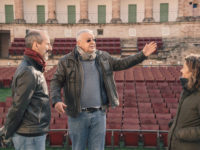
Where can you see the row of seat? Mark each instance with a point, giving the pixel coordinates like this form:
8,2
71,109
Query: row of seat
98,39
123,118
150,76
63,46
16,51
144,40
144,110
6,74
17,47
73,43
19,40
66,45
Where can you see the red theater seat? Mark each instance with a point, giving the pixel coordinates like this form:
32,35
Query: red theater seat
115,136
131,138
164,138
57,137
150,138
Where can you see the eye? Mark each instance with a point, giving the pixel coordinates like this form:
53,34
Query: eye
88,41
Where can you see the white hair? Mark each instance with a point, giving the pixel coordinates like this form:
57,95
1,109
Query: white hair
83,31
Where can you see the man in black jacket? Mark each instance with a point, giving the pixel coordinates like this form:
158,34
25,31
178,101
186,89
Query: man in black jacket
28,118
87,77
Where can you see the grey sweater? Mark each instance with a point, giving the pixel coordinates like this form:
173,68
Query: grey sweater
91,93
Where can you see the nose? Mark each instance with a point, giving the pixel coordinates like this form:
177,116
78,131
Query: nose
50,47
93,42
181,70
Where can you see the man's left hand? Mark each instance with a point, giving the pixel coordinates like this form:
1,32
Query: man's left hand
149,48
4,142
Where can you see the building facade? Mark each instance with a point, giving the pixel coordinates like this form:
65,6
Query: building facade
97,11
178,20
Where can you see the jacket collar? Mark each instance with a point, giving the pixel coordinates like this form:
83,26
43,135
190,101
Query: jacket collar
75,54
33,63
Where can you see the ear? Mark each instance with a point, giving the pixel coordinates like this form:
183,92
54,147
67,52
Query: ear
34,46
78,43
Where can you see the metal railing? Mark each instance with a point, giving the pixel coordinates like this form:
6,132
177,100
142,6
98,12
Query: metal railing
113,146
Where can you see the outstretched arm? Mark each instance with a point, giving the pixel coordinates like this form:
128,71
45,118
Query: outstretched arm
118,64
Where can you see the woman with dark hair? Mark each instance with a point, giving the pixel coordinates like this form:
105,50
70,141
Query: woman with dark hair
184,133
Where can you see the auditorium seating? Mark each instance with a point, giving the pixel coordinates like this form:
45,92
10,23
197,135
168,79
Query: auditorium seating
111,45
58,121
17,47
56,138
63,46
114,121
131,134
148,101
150,136
6,74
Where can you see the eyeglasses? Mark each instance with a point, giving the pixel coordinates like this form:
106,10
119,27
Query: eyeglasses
89,40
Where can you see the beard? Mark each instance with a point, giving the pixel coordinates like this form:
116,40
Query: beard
46,56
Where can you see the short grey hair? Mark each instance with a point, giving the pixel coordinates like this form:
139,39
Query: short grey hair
33,36
83,31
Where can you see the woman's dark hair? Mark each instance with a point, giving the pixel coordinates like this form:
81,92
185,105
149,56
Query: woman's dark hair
193,64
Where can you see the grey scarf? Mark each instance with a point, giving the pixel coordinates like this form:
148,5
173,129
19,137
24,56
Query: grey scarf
86,56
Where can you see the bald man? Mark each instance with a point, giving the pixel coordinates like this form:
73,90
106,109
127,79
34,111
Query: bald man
28,118
86,74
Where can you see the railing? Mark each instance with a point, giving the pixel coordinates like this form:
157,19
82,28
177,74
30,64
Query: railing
158,132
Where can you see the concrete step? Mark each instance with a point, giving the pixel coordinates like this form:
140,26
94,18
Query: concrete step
127,54
129,49
126,51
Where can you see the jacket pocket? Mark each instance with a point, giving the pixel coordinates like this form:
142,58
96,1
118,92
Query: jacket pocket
40,114
70,75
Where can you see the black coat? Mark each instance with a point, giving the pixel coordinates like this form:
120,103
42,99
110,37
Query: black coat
184,133
30,112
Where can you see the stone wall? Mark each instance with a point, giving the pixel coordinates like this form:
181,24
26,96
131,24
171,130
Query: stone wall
121,30
174,51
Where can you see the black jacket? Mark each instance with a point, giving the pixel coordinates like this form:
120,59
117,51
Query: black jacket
69,74
184,133
30,112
